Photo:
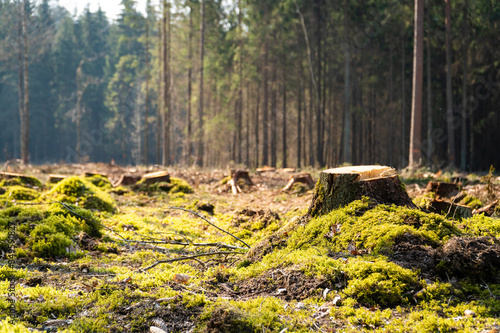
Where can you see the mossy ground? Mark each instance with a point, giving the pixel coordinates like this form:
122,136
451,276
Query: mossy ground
354,269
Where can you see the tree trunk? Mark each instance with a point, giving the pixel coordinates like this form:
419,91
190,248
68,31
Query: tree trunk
265,110
274,124
166,83
188,148
146,111
463,145
200,153
338,187
25,122
347,99
449,93
20,90
403,101
299,117
240,88
430,144
284,133
415,153
159,107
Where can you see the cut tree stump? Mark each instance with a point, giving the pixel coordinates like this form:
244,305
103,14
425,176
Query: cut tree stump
126,180
339,187
443,190
236,175
54,179
156,177
265,169
303,178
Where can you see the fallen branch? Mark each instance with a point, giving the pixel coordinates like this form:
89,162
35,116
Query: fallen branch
213,225
184,258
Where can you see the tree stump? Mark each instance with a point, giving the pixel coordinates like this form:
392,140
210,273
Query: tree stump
338,187
236,175
303,178
54,179
449,209
156,177
125,180
443,190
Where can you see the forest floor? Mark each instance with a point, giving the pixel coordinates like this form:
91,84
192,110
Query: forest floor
189,256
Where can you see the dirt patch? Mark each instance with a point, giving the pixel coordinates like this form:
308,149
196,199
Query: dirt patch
227,321
413,252
263,217
286,284
471,256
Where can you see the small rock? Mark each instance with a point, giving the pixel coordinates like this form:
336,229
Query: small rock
281,291
300,306
325,293
469,313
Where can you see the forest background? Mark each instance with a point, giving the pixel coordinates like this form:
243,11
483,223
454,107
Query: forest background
285,83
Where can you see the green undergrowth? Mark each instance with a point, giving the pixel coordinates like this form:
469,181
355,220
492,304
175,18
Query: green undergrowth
46,232
100,181
78,191
25,181
20,193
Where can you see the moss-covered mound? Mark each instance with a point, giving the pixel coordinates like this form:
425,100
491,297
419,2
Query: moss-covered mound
176,185
46,233
27,181
100,181
78,191
20,193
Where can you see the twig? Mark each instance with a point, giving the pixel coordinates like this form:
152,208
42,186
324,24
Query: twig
187,244
206,220
185,258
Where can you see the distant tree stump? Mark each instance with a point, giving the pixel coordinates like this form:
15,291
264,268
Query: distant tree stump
303,178
236,175
449,209
443,190
156,177
54,179
338,187
125,180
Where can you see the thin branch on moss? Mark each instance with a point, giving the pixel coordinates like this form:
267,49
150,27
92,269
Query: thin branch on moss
206,220
185,258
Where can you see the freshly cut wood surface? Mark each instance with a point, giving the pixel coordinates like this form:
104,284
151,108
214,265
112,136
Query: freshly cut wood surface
340,186
156,177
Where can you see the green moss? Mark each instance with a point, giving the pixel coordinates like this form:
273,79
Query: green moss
21,193
480,225
472,202
76,190
100,181
380,283
375,230
175,186
27,181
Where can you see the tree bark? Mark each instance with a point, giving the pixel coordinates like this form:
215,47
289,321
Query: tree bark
284,126
20,90
449,92
200,147
188,147
347,99
415,152
146,111
25,121
463,142
430,144
338,187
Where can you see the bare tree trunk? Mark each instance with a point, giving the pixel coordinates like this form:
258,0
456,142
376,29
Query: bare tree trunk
247,132
256,124
240,88
188,148
159,111
265,110
347,98
146,112
391,100
25,125
274,125
299,116
20,90
403,101
429,145
449,93
463,145
79,95
166,83
415,153
199,158
284,127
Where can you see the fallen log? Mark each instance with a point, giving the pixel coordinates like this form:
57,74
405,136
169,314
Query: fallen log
156,177
488,210
340,186
303,178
